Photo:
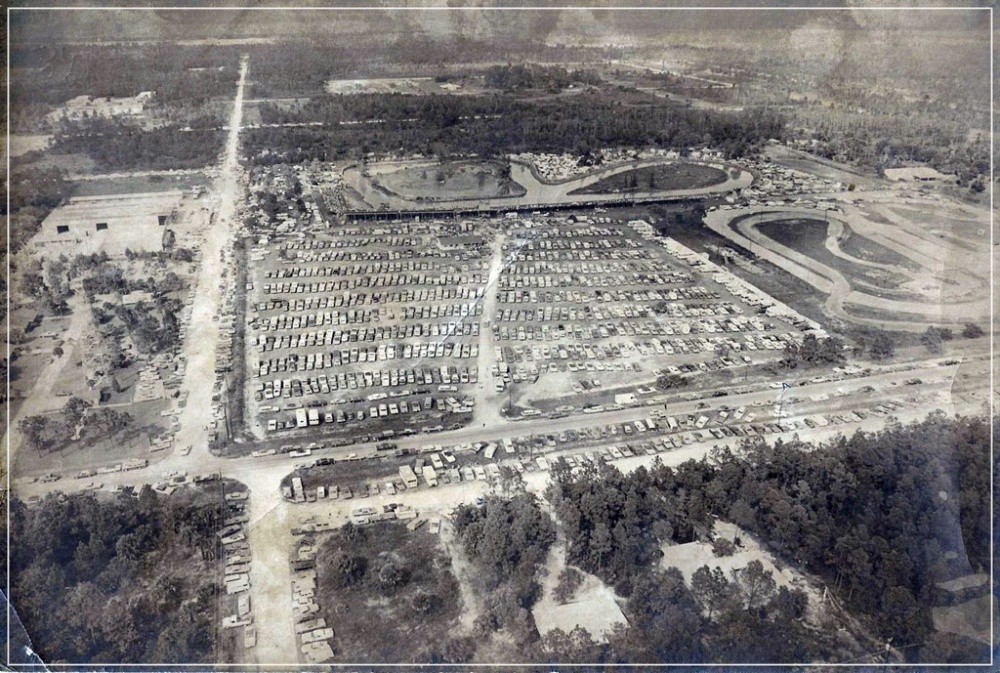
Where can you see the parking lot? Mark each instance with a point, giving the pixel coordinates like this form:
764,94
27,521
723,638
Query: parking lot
366,328
590,308
373,333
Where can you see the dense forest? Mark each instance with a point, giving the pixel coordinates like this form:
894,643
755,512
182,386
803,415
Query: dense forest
506,539
353,126
531,76
116,145
52,74
130,580
876,516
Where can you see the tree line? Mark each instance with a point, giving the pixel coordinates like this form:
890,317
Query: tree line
119,145
494,125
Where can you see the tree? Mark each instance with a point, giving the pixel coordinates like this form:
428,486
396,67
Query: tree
788,605
346,570
75,410
972,331
756,584
668,381
391,577
931,339
711,589
570,580
35,431
511,482
424,603
882,347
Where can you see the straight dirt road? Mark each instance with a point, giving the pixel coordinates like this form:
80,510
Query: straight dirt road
203,333
488,401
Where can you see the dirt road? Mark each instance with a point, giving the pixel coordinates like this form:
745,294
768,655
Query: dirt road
836,286
488,400
41,399
203,334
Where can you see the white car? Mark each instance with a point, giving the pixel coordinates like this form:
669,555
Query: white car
186,450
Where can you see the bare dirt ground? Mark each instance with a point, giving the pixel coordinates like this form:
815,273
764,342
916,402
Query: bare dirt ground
203,335
953,289
472,602
488,401
41,398
593,605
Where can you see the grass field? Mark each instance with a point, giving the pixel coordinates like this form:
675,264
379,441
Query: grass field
858,246
138,184
400,600
662,177
809,236
448,181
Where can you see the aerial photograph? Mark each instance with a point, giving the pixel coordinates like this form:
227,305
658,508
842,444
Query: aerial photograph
490,334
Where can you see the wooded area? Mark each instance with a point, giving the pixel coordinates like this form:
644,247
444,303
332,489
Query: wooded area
126,580
389,593
873,515
507,540
494,125
116,145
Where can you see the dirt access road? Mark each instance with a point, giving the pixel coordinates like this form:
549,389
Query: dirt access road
41,399
488,401
203,334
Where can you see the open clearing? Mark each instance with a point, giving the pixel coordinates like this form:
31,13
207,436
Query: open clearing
445,181
22,144
667,176
592,606
400,580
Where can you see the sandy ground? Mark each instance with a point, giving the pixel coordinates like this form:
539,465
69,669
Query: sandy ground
41,399
203,332
472,603
270,538
22,144
689,557
593,605
488,401
954,292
